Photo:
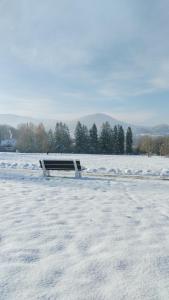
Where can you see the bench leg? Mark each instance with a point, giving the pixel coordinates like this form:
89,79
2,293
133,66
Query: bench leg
46,173
78,174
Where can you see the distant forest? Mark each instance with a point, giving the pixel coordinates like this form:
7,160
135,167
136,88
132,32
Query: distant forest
32,138
35,138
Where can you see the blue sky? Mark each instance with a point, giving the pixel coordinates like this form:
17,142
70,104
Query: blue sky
61,59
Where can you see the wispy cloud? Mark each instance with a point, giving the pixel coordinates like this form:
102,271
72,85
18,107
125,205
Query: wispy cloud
84,56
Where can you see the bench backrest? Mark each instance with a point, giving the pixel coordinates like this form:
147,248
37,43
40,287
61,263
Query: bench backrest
65,165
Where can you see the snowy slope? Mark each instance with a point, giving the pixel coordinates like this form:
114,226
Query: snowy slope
89,239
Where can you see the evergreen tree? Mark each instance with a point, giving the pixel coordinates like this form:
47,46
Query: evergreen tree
115,144
62,139
121,140
78,137
93,139
106,137
129,141
81,139
67,141
85,145
50,141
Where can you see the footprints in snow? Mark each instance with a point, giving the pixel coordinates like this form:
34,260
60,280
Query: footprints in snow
27,256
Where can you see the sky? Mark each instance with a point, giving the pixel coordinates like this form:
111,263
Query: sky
67,58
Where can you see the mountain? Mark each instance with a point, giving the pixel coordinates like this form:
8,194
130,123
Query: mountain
88,120
98,119
162,129
101,118
15,120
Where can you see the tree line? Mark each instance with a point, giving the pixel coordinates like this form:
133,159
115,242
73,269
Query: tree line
107,140
153,145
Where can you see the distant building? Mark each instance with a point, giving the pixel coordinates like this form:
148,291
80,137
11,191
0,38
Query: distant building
8,145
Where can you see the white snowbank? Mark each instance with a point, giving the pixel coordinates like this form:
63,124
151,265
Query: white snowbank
94,164
103,171
8,165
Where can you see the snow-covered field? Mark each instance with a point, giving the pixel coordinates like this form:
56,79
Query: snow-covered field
94,164
99,238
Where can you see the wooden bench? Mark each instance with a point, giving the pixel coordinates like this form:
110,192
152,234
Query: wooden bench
60,165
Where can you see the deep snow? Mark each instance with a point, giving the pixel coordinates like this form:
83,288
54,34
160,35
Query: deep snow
90,239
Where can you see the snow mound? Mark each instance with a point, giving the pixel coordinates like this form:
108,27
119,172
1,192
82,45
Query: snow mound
128,172
94,164
12,165
101,170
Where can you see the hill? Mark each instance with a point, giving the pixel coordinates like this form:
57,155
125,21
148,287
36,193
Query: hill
88,120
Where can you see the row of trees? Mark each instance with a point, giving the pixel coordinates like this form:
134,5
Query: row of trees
109,140
31,138
153,145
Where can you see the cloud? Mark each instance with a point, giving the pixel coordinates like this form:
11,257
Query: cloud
160,81
83,55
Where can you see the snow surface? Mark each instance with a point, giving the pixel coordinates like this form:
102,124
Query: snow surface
94,164
90,239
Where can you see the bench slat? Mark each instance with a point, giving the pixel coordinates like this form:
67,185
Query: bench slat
60,165
66,162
